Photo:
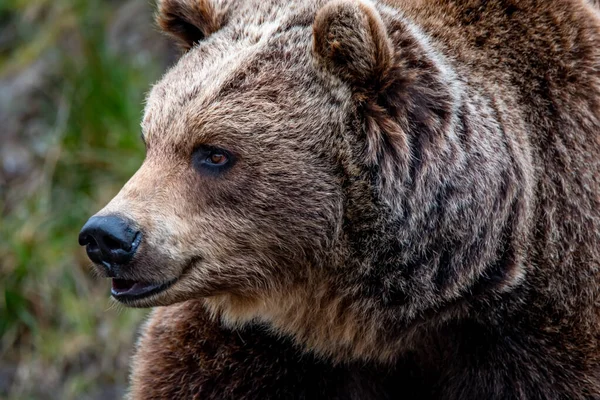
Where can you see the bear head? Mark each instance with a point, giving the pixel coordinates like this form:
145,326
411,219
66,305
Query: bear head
315,166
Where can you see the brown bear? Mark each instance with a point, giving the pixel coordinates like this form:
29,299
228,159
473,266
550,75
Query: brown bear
366,200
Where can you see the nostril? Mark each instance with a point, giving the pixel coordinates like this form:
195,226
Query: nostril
87,240
84,240
90,242
112,243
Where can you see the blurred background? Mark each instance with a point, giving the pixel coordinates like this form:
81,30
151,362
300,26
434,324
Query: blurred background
73,74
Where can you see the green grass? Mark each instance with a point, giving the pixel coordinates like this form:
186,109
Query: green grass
57,324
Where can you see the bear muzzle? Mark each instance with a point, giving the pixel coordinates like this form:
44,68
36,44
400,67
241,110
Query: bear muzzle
111,242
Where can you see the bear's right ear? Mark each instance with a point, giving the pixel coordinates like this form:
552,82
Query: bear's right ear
189,21
350,39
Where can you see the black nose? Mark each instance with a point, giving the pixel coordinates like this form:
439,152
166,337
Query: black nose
109,240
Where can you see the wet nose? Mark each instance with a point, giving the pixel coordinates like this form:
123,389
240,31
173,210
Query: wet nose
109,240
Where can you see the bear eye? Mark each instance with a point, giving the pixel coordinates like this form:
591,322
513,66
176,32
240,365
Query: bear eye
211,160
217,159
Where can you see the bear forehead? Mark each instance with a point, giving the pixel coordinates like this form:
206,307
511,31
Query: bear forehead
263,44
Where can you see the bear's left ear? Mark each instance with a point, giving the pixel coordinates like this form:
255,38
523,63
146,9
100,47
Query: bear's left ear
350,39
189,21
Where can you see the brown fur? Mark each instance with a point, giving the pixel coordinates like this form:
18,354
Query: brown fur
414,209
190,21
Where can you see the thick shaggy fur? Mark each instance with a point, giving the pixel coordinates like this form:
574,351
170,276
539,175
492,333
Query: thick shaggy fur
414,210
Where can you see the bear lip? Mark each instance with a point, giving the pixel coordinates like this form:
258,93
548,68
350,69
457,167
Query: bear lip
128,290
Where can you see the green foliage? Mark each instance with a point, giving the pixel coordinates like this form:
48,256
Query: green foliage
55,318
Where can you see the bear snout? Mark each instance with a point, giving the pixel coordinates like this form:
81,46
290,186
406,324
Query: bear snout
110,241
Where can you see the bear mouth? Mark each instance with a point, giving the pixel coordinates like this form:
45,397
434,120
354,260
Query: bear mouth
125,290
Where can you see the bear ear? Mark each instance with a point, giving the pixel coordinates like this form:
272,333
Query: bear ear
351,40
188,21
